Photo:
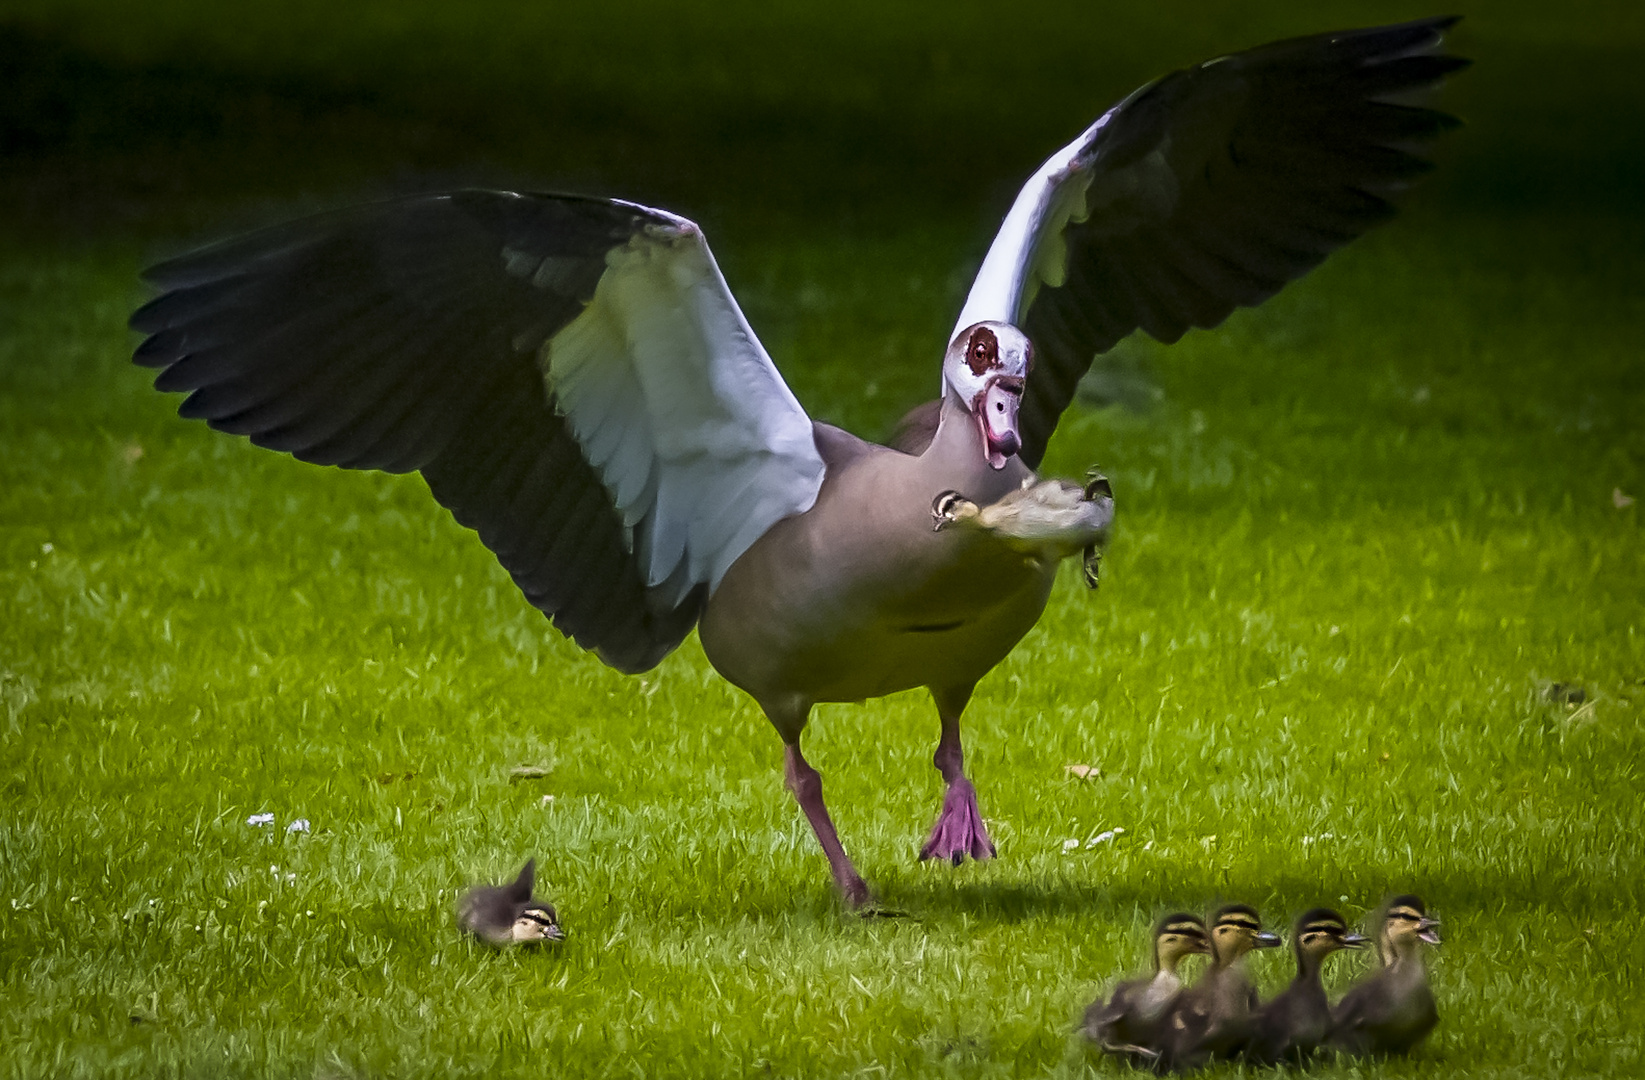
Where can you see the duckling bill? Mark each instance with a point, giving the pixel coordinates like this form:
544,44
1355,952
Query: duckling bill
504,915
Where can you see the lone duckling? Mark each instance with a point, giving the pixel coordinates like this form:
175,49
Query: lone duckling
504,915
1213,1017
1393,1009
1128,1023
1293,1025
1046,520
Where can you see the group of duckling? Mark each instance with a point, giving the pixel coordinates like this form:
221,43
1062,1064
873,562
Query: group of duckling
1155,1021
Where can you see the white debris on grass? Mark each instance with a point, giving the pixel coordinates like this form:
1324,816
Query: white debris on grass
260,819
1073,843
300,825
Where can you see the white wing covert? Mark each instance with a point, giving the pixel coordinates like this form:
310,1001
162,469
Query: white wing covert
675,402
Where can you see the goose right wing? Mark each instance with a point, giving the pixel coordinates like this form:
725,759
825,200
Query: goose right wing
571,376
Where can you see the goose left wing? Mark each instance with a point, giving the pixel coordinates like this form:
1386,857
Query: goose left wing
571,376
1206,190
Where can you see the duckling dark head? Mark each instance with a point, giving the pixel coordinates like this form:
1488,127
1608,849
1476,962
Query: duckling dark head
1178,936
504,915
949,507
1405,922
1321,932
1236,929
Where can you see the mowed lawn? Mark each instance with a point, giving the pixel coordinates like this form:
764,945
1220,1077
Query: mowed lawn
1363,532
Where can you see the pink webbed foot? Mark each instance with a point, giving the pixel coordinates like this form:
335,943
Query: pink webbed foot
959,830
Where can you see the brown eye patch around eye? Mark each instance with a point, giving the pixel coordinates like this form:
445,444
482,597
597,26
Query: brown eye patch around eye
984,351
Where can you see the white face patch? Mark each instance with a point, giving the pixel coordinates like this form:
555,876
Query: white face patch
987,365
983,353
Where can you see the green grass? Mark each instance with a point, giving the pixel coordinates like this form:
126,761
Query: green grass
1366,526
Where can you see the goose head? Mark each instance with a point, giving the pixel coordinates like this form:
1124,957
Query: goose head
986,367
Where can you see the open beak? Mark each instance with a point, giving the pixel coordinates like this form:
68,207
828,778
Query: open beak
1265,940
1352,940
1428,930
996,410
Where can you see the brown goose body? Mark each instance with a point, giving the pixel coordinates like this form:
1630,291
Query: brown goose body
859,597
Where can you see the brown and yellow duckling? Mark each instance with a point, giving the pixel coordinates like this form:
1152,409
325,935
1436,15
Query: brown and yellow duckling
1127,1024
1213,1017
1044,520
504,915
1294,1024
1393,1009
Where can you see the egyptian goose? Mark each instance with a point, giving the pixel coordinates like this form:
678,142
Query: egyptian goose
575,382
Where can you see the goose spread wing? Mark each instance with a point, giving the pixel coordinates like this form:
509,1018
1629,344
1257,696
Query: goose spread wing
571,376
1203,191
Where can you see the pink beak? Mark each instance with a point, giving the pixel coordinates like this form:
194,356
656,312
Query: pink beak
996,410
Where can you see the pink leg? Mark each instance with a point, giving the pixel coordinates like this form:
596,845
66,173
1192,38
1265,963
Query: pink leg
806,784
788,716
959,830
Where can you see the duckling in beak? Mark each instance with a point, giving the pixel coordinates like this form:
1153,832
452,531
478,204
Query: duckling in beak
1045,520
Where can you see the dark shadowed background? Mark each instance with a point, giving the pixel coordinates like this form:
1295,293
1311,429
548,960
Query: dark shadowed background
1371,621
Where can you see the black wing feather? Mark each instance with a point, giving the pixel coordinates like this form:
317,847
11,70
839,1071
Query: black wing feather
1281,155
404,335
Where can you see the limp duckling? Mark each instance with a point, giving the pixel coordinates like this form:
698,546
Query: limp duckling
1047,520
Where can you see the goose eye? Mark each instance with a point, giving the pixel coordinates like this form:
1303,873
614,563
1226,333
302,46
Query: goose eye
984,352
